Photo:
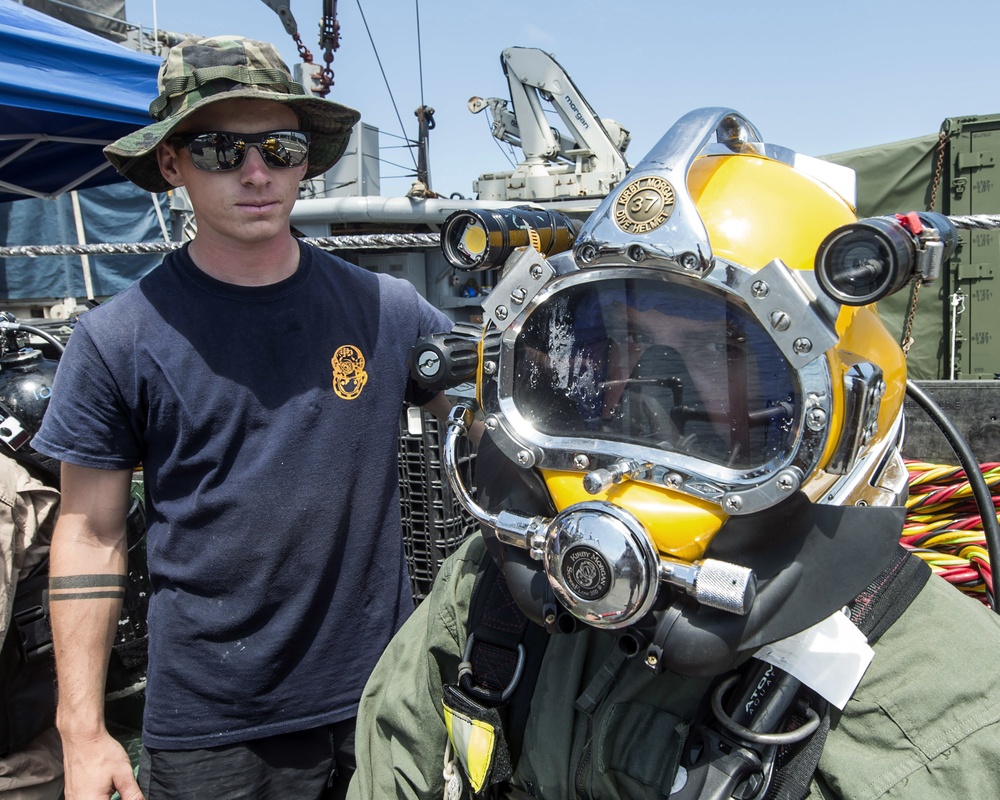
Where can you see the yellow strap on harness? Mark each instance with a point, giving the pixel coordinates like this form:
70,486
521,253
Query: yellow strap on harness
474,742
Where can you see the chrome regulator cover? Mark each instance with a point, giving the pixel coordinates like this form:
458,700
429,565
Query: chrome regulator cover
601,564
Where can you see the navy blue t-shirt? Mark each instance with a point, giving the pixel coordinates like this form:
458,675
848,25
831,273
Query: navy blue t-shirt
266,422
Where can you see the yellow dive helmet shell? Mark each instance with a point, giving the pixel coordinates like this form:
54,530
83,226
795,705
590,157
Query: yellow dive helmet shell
680,525
755,210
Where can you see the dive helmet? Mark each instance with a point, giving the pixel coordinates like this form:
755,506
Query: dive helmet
26,377
690,441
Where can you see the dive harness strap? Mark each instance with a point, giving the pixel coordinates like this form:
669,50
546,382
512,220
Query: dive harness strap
486,712
873,611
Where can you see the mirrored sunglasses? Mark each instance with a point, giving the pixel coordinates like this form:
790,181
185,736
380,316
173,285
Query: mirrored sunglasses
216,151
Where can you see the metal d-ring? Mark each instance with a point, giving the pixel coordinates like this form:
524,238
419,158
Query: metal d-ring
465,668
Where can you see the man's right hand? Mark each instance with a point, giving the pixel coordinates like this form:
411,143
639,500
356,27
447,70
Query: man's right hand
96,767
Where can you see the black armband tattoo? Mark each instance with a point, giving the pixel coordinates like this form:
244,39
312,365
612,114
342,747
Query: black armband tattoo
96,587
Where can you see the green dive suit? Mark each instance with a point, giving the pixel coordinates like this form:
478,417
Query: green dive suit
923,723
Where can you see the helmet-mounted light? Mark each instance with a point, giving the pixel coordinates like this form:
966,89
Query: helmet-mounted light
484,239
869,260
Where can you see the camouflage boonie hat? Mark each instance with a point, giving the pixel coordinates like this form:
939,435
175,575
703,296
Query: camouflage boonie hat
198,72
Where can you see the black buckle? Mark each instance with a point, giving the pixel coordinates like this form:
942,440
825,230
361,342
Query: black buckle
34,634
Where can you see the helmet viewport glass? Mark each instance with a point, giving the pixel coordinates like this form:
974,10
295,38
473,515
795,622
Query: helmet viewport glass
657,364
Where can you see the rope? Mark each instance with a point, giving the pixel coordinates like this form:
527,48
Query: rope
976,222
944,528
373,241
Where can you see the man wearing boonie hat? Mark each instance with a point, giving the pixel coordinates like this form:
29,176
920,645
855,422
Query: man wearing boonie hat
258,382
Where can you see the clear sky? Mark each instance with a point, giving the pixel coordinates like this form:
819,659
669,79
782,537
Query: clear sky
816,77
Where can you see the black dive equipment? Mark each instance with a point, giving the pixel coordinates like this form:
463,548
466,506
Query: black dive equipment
26,377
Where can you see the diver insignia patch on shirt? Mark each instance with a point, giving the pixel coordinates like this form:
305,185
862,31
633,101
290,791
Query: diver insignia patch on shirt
349,376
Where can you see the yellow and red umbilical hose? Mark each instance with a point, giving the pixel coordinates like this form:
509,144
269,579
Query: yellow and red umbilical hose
944,528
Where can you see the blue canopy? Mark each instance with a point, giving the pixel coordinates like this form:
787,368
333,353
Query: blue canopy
64,94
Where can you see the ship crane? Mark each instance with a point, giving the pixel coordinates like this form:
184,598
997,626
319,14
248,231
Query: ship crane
588,160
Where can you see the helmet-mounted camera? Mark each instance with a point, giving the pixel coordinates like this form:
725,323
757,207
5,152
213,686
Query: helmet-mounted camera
484,239
868,260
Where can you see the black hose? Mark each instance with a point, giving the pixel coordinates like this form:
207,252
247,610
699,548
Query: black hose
981,492
52,340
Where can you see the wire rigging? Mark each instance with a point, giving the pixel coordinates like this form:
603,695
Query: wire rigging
420,53
508,153
385,78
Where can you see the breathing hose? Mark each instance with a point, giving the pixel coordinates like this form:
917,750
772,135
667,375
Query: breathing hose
977,483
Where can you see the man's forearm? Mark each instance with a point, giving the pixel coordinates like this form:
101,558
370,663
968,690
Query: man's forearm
87,583
87,565
86,588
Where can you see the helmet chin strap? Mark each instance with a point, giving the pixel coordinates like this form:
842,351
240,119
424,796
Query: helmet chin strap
810,560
